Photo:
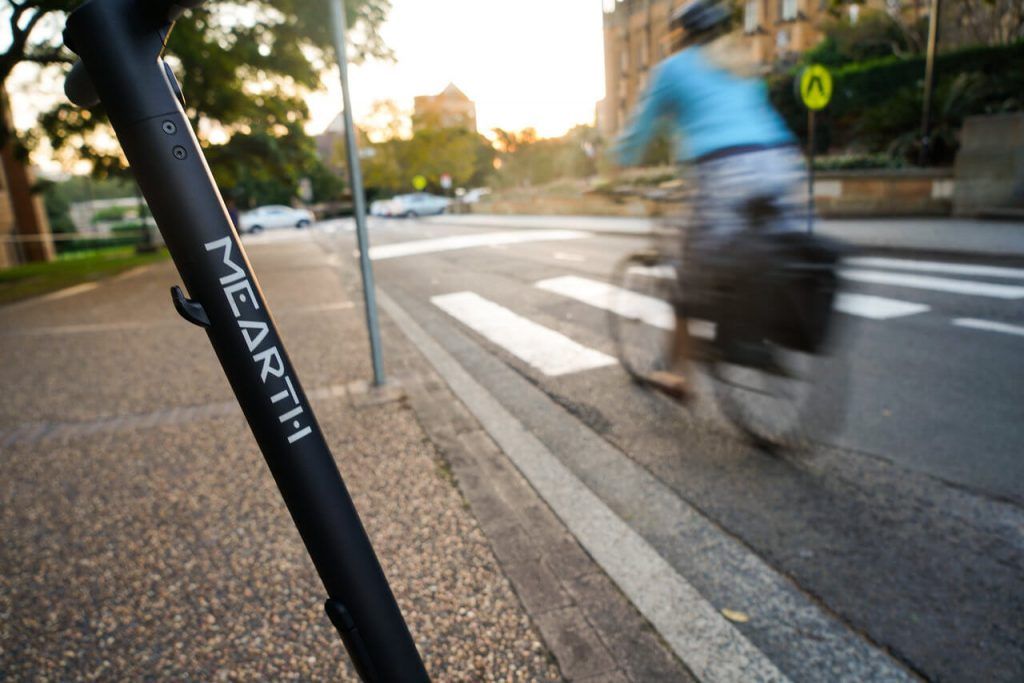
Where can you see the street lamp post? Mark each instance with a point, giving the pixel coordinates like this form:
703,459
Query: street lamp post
355,176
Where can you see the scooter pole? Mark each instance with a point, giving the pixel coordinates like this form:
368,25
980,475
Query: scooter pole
120,43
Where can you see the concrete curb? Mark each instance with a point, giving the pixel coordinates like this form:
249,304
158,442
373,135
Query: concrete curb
704,640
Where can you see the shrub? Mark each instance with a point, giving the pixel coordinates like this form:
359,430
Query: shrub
876,104
857,162
113,213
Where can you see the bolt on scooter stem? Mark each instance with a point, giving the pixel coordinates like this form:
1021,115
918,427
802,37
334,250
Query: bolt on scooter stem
120,43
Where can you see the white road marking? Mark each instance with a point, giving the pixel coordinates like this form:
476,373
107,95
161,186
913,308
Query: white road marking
876,307
489,239
989,326
546,350
659,313
566,256
937,267
663,272
938,284
647,309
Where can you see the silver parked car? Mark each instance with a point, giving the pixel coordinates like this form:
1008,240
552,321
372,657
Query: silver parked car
417,204
274,216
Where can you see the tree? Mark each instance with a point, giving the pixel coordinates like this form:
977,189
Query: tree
874,34
984,22
386,121
284,160
431,152
242,65
527,159
245,69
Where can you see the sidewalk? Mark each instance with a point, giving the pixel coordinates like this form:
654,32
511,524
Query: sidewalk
144,537
950,237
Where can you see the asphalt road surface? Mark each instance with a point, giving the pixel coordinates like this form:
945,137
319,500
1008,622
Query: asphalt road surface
903,535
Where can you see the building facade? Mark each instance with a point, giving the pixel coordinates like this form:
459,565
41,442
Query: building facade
450,108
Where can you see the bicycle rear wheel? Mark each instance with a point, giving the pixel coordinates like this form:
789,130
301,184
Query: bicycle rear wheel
641,317
780,398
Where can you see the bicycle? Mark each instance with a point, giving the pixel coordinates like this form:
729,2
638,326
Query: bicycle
761,328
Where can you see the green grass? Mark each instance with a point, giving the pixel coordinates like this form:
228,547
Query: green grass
33,279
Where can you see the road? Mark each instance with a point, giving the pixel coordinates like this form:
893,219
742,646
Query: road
897,545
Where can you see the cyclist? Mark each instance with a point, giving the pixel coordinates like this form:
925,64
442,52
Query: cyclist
741,147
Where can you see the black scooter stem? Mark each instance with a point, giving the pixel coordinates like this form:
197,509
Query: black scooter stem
120,43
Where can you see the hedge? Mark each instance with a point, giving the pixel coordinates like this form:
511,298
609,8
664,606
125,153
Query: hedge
876,105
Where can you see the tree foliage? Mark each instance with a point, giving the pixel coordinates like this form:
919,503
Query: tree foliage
875,34
283,161
244,67
527,159
983,22
431,151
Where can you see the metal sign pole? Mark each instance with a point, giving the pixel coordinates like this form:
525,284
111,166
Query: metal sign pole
810,171
814,86
355,176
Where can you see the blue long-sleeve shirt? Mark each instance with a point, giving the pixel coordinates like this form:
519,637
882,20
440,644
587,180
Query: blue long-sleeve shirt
712,109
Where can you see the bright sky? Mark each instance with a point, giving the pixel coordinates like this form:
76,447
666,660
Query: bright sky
536,63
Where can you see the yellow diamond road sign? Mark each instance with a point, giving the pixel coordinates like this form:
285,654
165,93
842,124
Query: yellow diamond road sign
816,86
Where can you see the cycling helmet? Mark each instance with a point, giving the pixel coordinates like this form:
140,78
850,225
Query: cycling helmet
700,16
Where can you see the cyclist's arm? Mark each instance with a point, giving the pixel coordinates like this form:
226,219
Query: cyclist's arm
653,105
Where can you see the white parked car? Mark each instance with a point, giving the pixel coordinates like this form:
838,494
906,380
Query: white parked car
274,216
417,204
475,195
380,207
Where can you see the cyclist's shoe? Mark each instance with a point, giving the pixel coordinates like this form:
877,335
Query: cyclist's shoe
650,257
670,383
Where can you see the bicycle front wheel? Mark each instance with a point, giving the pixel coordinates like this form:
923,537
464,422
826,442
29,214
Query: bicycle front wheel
641,317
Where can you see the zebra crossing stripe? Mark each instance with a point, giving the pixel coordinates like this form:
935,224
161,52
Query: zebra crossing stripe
620,301
548,351
876,307
937,267
989,326
937,284
647,309
658,313
489,239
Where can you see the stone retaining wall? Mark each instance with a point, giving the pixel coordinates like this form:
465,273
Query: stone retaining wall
878,193
897,192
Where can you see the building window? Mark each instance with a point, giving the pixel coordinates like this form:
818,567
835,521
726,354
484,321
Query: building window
751,18
788,10
782,41
644,54
624,59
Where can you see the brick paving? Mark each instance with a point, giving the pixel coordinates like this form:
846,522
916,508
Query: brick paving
144,537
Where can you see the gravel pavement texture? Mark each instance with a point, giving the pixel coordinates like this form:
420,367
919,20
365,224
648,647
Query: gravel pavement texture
143,537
